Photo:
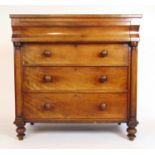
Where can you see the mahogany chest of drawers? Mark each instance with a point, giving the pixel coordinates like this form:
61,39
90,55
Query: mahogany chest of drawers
75,68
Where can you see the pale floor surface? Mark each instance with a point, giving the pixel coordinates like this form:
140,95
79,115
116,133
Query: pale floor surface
77,136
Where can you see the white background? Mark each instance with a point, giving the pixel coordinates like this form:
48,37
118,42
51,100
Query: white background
80,136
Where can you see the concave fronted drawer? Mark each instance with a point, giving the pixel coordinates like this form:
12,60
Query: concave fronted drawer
76,54
70,106
108,79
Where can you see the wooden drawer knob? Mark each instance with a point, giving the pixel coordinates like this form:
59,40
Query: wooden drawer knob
103,79
47,106
103,53
47,53
102,106
47,78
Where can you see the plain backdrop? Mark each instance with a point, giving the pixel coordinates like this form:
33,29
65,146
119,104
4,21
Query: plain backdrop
80,136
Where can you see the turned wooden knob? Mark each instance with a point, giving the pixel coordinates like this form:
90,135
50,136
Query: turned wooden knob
47,106
102,106
47,78
103,53
47,53
103,79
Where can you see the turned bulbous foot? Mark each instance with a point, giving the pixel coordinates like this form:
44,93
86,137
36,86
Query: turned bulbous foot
131,133
20,123
31,123
132,130
20,132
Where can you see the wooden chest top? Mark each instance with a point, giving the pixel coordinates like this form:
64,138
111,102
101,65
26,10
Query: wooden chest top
75,28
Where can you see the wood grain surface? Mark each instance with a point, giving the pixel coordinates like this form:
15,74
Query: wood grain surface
75,106
75,78
75,54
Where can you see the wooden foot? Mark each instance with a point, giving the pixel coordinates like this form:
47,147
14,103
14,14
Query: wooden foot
131,133
31,123
132,130
20,132
119,123
20,123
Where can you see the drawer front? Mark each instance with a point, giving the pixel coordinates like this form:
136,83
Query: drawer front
76,54
71,106
109,79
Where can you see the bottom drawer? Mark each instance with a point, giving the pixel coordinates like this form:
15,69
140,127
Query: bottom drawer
78,106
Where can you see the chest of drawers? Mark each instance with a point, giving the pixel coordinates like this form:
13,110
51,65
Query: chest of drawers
75,69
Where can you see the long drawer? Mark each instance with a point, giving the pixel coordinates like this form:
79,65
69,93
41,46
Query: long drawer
76,54
69,106
109,79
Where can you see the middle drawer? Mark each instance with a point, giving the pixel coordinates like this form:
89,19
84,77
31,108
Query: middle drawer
108,79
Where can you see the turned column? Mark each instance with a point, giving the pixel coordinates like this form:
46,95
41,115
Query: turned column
19,120
132,120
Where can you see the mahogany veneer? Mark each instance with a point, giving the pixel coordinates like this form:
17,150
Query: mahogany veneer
75,68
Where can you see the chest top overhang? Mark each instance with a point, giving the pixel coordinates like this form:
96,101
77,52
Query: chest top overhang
75,28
